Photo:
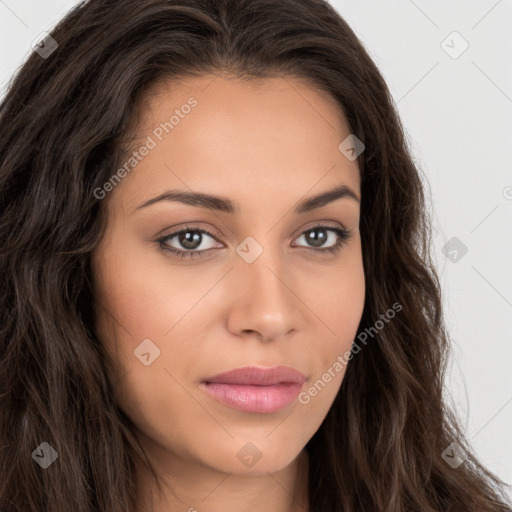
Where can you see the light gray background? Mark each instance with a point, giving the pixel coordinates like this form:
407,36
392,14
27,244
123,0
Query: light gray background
457,113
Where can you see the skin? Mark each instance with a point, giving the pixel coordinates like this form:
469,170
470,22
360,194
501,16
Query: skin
267,145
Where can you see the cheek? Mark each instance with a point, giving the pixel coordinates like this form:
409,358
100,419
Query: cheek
158,403
142,300
338,297
142,293
150,307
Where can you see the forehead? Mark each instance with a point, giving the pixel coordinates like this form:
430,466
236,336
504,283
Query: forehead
276,101
276,133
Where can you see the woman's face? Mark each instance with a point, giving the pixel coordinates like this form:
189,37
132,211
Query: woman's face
261,290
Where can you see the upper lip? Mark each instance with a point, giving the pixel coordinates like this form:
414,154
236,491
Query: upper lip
252,375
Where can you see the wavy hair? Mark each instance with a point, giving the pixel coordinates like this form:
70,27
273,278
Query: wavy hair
64,122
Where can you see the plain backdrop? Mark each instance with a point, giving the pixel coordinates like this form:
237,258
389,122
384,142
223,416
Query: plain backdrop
448,66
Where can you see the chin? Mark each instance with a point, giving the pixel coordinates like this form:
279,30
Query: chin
256,457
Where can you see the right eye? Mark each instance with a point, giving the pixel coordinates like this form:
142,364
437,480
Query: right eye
190,239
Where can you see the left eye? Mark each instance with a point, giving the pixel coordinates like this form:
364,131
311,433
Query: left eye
190,239
323,234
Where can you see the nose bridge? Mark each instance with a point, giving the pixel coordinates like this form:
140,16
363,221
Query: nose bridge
264,300
266,278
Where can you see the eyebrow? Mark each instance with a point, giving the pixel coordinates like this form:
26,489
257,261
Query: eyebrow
223,204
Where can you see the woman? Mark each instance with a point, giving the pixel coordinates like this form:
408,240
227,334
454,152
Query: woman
218,291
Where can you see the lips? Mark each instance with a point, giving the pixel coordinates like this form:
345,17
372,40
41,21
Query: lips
255,390
253,376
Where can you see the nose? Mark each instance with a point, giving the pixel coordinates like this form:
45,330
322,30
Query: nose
265,302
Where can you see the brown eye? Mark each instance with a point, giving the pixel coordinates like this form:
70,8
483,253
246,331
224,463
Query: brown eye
318,236
186,242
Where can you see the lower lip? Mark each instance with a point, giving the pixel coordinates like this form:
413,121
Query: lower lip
260,399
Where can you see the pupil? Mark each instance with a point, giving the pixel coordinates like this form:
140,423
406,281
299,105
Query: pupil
190,241
314,240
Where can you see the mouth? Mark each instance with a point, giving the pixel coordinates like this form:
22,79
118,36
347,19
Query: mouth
255,390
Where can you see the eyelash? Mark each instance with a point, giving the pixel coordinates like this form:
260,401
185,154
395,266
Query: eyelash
343,235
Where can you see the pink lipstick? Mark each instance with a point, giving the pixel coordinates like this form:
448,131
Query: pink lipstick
257,390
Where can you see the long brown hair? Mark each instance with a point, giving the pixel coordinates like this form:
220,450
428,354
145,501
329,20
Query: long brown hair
62,126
